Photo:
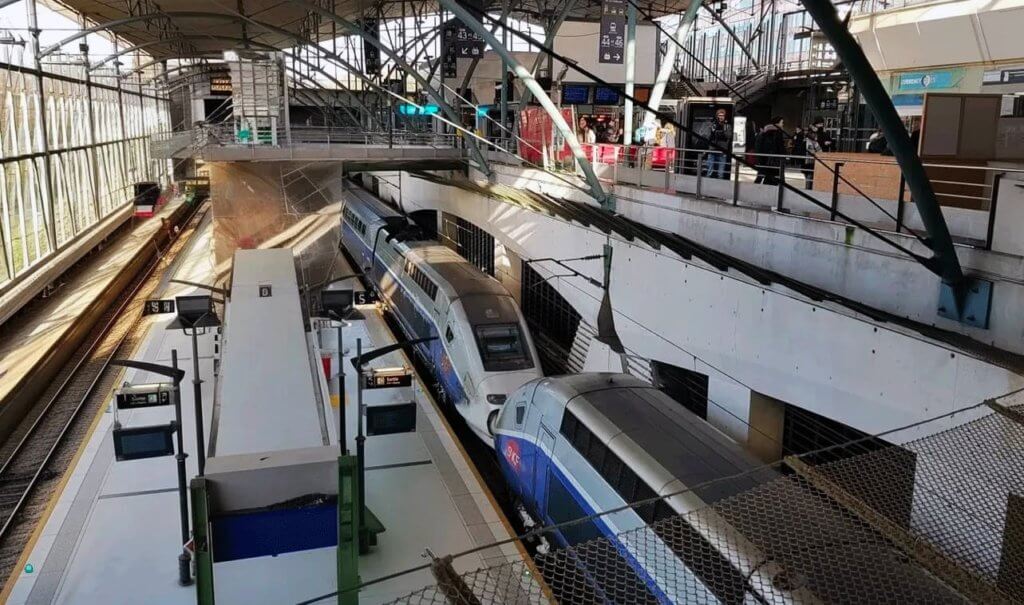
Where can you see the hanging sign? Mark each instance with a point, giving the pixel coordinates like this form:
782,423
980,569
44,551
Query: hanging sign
371,54
612,41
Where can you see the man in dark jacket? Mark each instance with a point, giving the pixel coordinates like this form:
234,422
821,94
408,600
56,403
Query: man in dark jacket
824,138
770,147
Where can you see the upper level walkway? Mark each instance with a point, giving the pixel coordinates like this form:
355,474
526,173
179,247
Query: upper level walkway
221,143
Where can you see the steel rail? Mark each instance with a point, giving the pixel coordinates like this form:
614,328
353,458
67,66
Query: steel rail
127,300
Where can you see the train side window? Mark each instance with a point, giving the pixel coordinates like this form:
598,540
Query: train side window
448,335
662,511
646,511
627,484
596,452
582,439
611,468
520,414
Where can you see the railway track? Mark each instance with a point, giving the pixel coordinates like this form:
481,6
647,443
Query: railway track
41,450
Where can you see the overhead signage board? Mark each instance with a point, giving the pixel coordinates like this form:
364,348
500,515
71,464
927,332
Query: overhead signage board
606,95
391,419
220,85
144,396
575,94
389,378
612,41
139,442
371,54
158,306
468,43
449,63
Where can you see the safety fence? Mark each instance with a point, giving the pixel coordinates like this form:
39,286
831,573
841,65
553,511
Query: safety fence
930,513
860,188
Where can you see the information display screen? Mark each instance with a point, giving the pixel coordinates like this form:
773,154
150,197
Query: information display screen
575,94
143,442
606,95
391,419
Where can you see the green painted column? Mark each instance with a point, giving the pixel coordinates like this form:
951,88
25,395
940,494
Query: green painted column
348,531
201,540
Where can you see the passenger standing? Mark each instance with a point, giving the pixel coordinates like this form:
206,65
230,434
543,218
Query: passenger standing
811,149
719,137
824,138
799,146
770,147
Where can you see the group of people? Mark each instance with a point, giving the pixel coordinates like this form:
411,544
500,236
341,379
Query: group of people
592,131
772,145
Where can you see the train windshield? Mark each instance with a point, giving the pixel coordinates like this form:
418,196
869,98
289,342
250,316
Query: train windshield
502,348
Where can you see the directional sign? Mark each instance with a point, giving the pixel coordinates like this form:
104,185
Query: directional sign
391,419
144,396
388,378
612,41
157,306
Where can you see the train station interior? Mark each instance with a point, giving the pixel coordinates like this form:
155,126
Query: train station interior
473,302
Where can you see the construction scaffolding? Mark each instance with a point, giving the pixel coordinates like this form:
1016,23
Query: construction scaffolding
937,516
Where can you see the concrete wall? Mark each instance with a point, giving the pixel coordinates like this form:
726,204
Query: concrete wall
836,257
744,336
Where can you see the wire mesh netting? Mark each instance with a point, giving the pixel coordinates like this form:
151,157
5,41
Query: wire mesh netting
937,518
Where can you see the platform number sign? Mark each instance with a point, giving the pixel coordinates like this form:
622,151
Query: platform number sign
612,41
366,297
266,291
158,306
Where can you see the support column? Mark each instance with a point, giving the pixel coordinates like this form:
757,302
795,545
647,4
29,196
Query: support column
92,155
944,262
627,118
596,190
47,190
668,62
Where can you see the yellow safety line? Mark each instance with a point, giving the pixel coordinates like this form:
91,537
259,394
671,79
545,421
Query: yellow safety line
57,493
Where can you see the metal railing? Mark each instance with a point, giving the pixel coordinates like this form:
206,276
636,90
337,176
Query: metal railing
869,190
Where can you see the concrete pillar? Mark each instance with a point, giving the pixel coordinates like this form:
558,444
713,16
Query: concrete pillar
767,421
728,405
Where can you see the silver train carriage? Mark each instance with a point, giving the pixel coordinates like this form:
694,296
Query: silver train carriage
571,446
483,350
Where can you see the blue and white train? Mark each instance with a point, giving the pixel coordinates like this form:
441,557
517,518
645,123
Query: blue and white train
571,446
483,350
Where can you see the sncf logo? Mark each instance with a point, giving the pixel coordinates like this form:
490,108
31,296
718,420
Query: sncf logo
511,453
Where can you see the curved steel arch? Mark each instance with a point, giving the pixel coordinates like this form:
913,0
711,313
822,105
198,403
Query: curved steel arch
176,38
117,22
453,117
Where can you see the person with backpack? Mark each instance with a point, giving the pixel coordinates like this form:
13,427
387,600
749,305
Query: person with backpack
770,147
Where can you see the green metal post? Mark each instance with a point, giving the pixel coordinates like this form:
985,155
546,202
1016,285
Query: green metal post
348,530
201,541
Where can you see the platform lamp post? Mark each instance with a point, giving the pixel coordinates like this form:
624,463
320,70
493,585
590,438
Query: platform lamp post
197,313
338,304
358,362
176,375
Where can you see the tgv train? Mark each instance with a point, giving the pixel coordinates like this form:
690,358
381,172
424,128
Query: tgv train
482,351
571,446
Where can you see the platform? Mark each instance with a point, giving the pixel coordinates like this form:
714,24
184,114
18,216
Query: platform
25,343
113,535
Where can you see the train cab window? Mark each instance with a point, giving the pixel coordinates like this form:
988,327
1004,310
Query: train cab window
520,414
502,348
569,423
448,335
611,469
596,453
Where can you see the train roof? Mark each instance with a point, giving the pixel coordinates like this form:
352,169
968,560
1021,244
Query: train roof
464,278
690,449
